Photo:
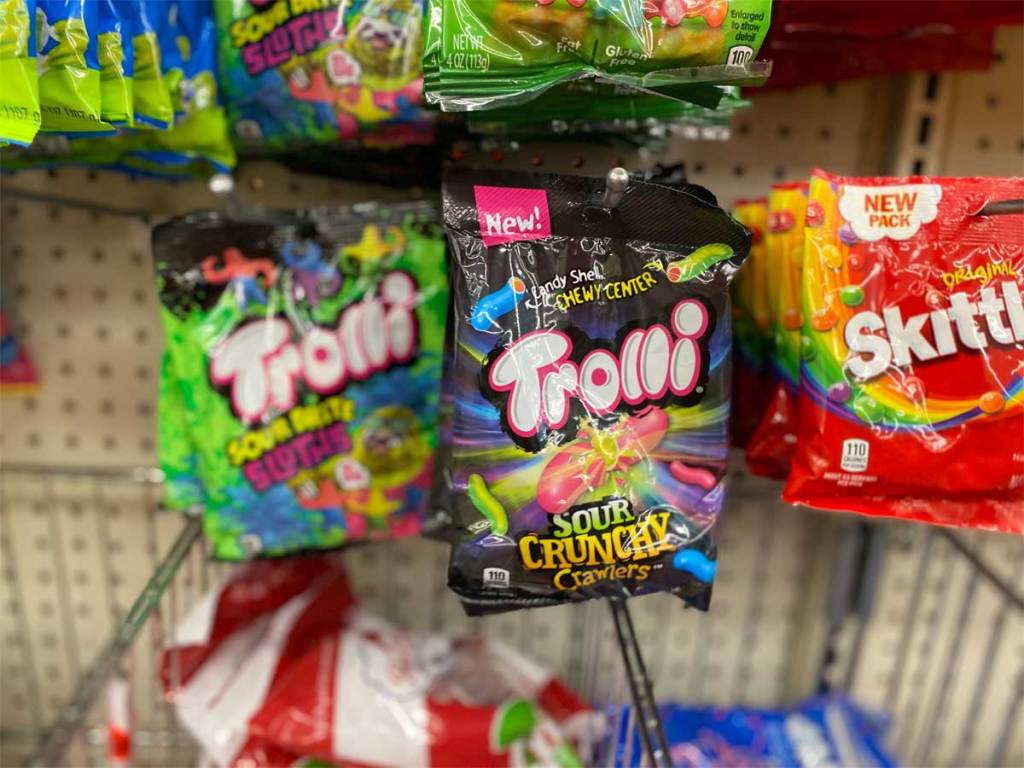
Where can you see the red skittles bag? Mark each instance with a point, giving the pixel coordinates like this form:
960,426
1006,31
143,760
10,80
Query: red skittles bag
912,379
771,444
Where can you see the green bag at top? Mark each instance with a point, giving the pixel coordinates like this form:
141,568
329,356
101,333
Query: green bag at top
301,381
67,39
19,96
593,106
150,97
485,53
116,66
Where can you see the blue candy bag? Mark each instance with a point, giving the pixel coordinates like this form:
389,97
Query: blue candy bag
116,65
19,98
823,731
69,67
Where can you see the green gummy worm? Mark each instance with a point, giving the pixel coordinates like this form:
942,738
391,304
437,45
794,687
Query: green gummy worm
487,505
697,262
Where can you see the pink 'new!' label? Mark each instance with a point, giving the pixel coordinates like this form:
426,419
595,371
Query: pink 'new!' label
508,214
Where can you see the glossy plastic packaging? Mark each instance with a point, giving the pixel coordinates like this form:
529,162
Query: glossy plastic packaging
19,99
151,100
304,358
314,73
752,343
303,676
912,379
589,385
117,66
825,730
67,37
480,55
770,446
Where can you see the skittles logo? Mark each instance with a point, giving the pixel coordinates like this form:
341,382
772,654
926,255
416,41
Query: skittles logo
930,335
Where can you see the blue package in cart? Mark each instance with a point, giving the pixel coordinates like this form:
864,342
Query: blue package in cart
823,731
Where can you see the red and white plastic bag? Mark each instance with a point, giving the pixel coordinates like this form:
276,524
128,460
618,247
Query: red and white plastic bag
310,675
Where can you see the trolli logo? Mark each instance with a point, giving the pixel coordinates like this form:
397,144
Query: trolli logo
508,214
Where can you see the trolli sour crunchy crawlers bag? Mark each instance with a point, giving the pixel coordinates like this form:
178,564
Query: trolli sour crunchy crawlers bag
771,445
590,379
304,349
912,382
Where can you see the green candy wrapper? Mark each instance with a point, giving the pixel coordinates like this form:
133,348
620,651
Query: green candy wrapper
116,66
196,147
182,488
485,53
199,142
67,42
19,97
593,106
300,387
151,100
308,72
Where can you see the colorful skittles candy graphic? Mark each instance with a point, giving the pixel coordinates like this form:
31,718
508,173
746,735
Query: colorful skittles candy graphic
588,387
323,71
298,405
771,444
913,374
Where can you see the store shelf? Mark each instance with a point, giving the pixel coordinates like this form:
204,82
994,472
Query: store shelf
905,617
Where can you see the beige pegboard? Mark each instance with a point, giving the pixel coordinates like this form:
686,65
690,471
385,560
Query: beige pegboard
984,132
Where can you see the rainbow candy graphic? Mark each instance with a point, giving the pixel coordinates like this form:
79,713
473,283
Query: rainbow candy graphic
842,277
784,247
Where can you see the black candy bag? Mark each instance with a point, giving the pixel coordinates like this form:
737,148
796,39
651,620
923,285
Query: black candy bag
588,380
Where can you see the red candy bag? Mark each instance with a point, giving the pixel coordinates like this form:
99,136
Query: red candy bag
752,380
770,446
279,665
912,383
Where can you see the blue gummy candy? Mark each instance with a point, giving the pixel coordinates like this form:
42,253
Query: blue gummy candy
696,564
494,305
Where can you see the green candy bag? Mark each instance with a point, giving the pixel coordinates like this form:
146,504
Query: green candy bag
200,136
19,97
182,489
594,106
301,383
150,99
69,68
485,53
198,146
116,66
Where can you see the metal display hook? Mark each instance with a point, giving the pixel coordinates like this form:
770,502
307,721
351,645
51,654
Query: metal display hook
1001,208
223,186
647,716
615,185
